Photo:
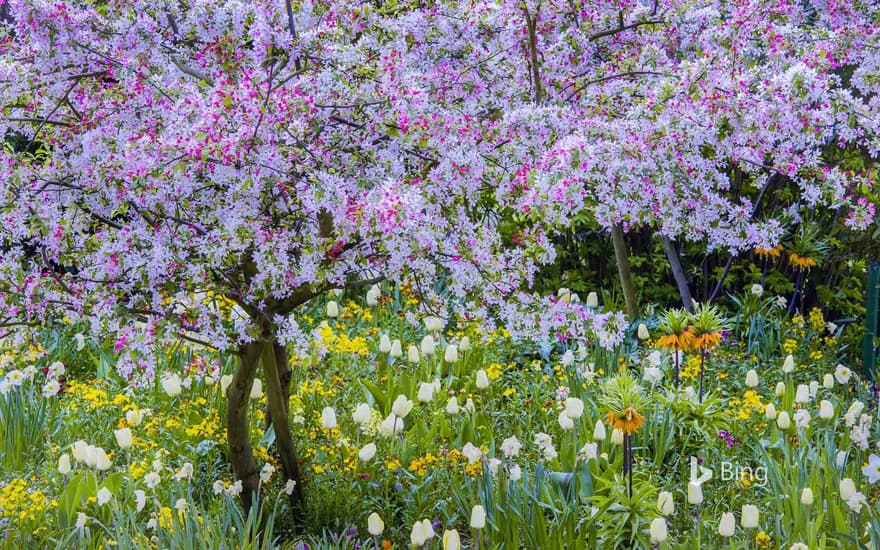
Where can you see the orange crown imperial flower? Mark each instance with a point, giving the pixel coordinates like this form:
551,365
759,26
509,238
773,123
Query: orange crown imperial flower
629,421
681,341
774,252
800,262
709,340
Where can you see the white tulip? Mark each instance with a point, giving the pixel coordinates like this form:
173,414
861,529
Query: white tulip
788,364
123,438
328,418
665,503
171,384
750,515
451,353
599,431
847,488
828,381
362,414
751,378
384,343
464,344
826,410
367,452
478,517
64,464
134,417
802,394
592,300
770,412
375,525
658,530
616,437
396,349
565,421
482,379
79,450
412,354
783,421
452,405
426,392
257,389
332,309
401,406
102,461
642,332
451,540
694,493
418,536
807,496
574,407
727,525
780,389
428,345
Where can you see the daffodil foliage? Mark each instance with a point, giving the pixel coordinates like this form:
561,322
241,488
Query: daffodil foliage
164,160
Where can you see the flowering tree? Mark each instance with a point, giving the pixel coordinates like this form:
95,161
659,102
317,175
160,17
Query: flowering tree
161,157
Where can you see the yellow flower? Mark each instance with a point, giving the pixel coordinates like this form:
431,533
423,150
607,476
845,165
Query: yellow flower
763,540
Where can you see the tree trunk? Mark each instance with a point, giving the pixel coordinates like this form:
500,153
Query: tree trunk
237,434
626,282
276,370
678,274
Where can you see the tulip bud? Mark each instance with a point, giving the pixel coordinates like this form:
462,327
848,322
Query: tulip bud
695,493
102,461
362,414
665,503
412,354
428,345
396,349
426,392
451,540
642,332
783,421
80,449
482,379
451,353
826,410
367,452
599,431
452,405
752,378
464,345
788,364
616,437
658,530
574,407
375,525
64,464
328,418
592,300
384,343
123,438
134,417
828,381
257,389
802,394
847,488
807,496
171,384
418,536
727,525
749,518
780,389
478,517
373,295
428,529
401,406
332,309
770,412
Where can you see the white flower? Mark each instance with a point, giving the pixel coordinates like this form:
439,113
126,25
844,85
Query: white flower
780,389
79,450
826,410
515,472
469,405
15,377
80,341
464,344
332,309
798,546
802,418
471,452
375,525
51,388
81,520
384,343
392,425
727,525
102,461
225,382
328,418
426,392
592,300
665,503
574,407
853,413
428,529
749,519
872,469
616,436
568,358
401,406
140,499
751,378
289,487
171,384
783,421
807,496
412,354
64,464
257,389
478,517
123,438
511,447
180,505
450,355
788,364
565,421
599,431
152,479
757,290
367,452
642,332
652,375
218,487
452,405
362,414
266,473
373,295
856,501
57,369
451,540
418,536
433,324
428,345
134,417
235,489
104,495
658,530
802,394
482,379
842,374
396,349
770,412
828,381
588,451
494,464
847,488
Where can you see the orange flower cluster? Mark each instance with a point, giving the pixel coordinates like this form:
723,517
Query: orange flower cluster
629,421
800,262
687,341
771,253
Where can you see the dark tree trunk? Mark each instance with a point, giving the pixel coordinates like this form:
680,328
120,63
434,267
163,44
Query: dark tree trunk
626,282
678,274
241,454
